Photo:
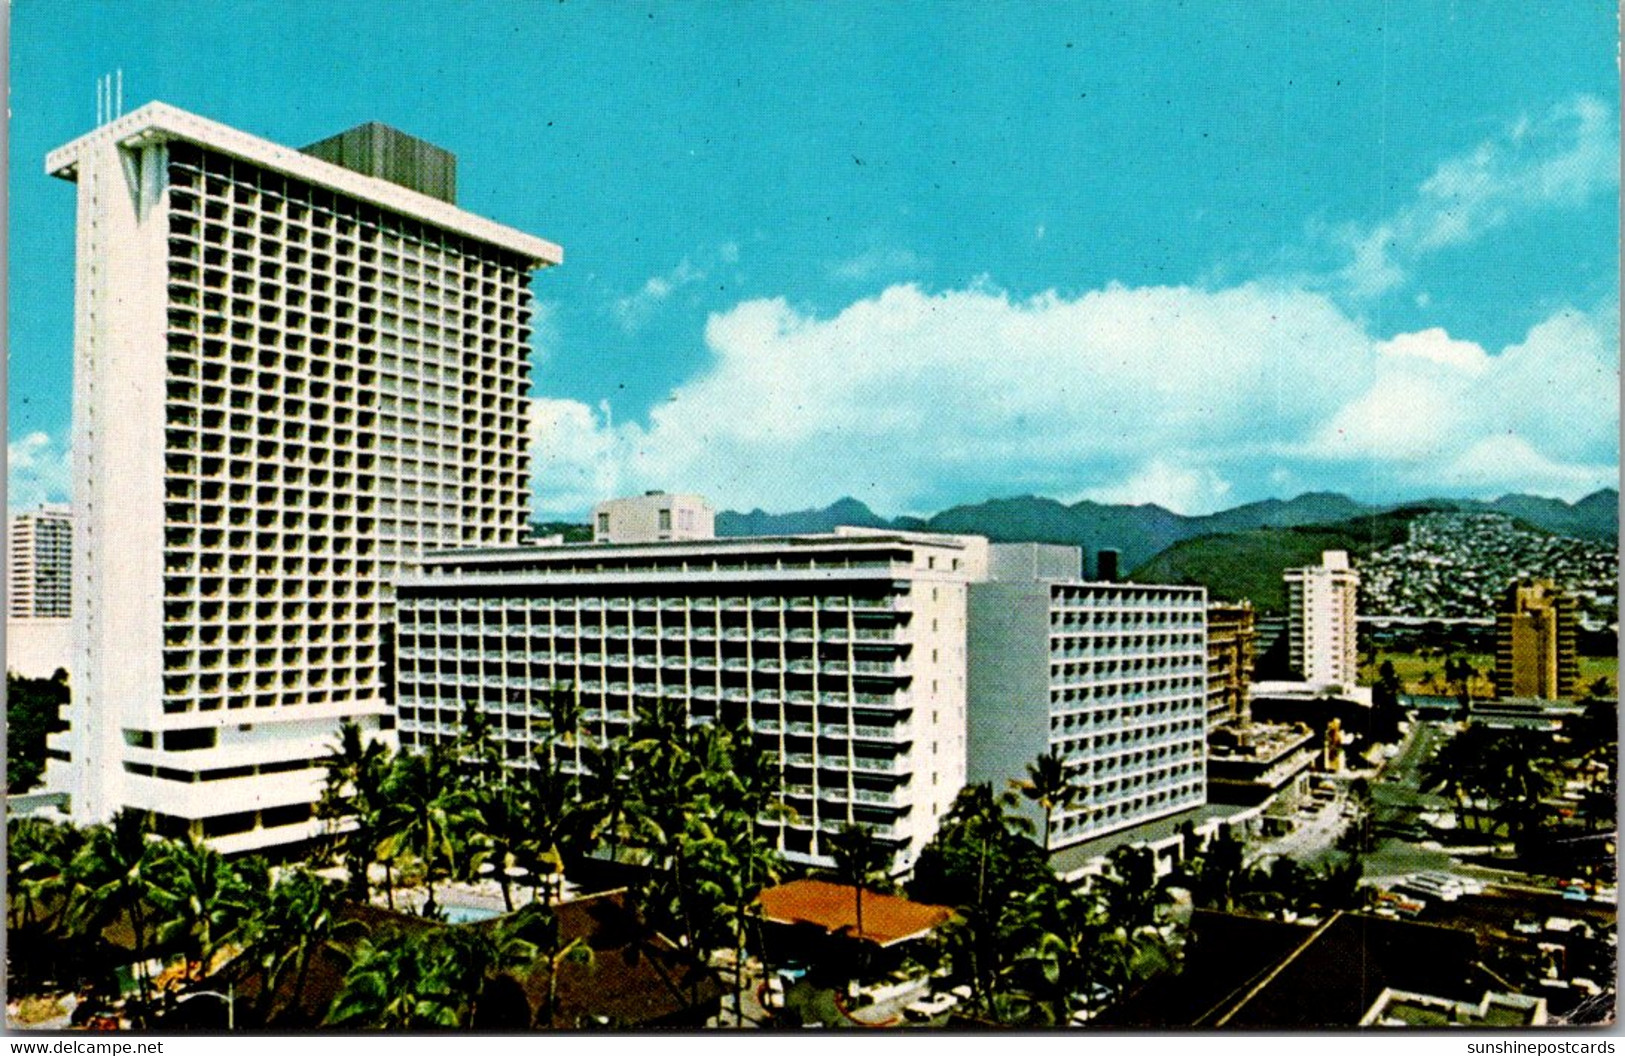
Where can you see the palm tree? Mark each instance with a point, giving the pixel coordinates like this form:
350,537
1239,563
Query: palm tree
1064,942
981,861
396,981
539,925
299,917
610,797
1517,781
427,814
504,826
38,858
111,877
858,856
1050,787
356,769
477,955
475,754
202,900
39,871
1129,886
1461,770
556,822
564,721
755,791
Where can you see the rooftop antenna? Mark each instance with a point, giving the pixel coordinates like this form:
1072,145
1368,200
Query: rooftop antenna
109,96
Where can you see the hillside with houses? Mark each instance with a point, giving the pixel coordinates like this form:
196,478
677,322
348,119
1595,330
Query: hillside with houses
1456,565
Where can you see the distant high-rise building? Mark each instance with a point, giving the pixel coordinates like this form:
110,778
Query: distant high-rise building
653,517
291,376
41,559
1535,642
1320,607
1231,641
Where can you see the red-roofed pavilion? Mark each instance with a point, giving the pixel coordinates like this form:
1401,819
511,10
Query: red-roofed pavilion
831,908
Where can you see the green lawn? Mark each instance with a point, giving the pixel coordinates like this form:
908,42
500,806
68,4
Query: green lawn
1413,669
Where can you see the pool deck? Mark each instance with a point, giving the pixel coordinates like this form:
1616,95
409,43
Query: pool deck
484,896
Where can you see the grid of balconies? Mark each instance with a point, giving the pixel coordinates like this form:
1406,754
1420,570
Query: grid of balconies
823,680
345,387
1128,677
41,566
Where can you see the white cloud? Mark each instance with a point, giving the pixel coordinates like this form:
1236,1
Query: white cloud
38,470
1445,414
1177,486
574,453
879,263
1191,398
635,310
1562,158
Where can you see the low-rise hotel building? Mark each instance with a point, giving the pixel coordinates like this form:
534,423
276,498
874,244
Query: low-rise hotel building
843,653
1110,677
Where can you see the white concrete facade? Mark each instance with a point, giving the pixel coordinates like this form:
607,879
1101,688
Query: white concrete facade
843,653
39,564
1321,611
653,517
38,648
1109,677
290,379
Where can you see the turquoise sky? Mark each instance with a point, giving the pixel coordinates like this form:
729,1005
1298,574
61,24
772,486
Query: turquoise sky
1190,253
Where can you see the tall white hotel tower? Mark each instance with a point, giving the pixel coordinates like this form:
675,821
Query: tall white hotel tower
293,370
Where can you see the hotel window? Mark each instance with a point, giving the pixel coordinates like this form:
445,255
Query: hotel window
665,520
603,524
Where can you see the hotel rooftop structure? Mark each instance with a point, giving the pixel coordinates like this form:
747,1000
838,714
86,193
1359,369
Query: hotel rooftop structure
293,372
843,653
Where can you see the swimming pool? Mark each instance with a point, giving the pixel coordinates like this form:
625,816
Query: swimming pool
469,914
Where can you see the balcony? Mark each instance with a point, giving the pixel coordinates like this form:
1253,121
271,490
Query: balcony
878,667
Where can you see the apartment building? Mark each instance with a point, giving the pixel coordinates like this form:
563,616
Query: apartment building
40,573
1536,652
842,653
1320,603
294,371
1232,640
1110,677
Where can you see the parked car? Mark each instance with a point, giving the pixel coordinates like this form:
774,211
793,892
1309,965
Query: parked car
931,1007
1465,885
1431,889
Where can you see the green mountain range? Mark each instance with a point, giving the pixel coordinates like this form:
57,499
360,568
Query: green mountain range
1141,533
